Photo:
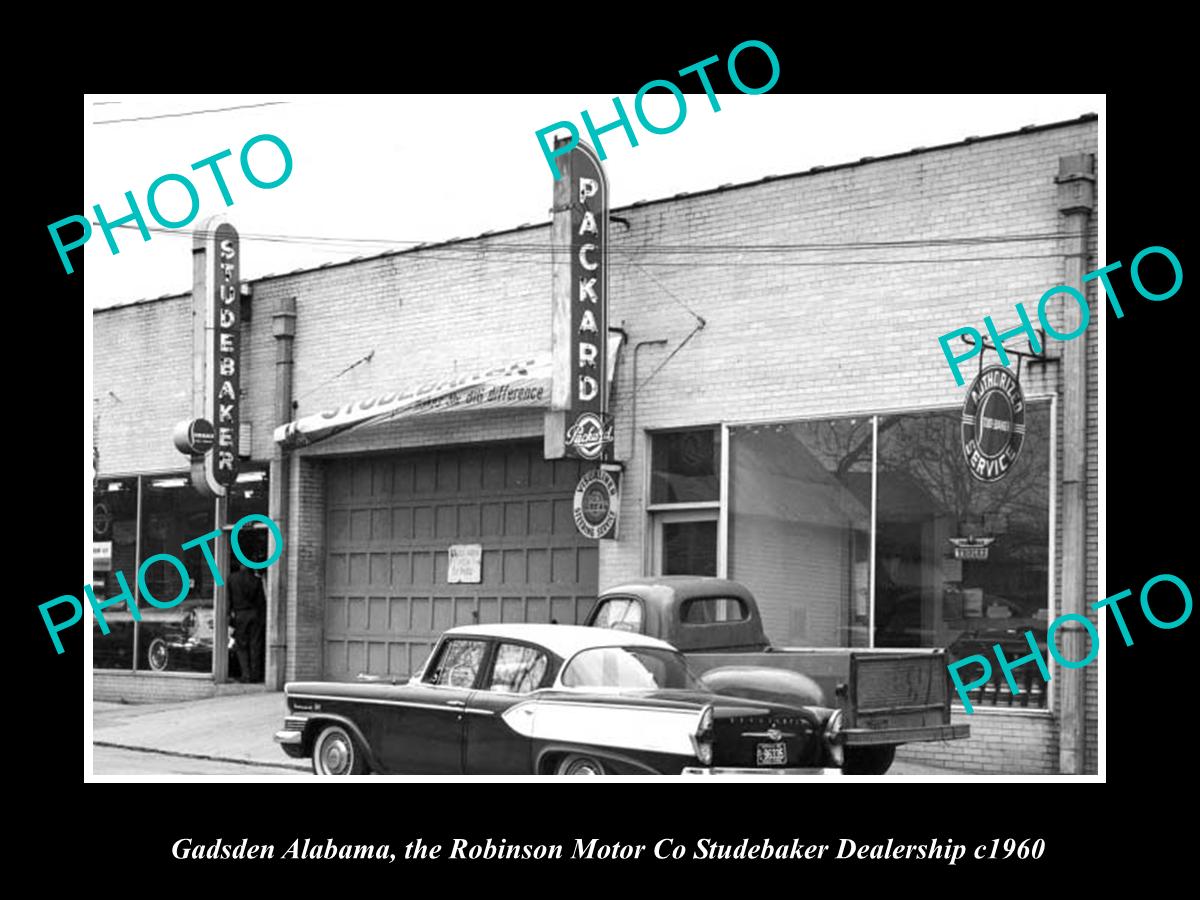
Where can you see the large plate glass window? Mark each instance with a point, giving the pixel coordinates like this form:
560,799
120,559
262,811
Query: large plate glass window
114,549
179,639
960,563
800,526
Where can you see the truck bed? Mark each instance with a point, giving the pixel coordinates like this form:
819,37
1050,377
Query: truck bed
887,696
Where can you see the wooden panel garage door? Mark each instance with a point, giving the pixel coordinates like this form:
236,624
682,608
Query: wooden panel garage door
391,521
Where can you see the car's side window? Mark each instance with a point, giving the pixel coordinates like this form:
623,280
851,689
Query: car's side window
517,669
458,664
620,614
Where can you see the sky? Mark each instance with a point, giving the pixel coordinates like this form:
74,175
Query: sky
381,172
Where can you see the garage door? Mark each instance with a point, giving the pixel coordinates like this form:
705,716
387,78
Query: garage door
391,522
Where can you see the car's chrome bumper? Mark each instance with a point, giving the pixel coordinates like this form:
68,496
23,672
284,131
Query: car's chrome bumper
288,737
730,770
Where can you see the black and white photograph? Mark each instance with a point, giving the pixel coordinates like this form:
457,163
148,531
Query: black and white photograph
603,447
806,468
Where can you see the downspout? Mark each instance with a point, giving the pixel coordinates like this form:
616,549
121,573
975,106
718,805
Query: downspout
1076,200
283,327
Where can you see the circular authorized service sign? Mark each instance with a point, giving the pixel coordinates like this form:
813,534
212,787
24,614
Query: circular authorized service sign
993,424
595,504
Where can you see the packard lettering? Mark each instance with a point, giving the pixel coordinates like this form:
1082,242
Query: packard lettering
588,430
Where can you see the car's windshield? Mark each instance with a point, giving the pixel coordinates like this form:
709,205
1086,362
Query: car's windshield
644,668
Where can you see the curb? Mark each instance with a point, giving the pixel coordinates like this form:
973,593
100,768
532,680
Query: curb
291,767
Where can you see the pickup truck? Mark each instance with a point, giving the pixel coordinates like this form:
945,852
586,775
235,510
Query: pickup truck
887,697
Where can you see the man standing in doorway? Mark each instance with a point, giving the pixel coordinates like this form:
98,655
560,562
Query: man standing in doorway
247,603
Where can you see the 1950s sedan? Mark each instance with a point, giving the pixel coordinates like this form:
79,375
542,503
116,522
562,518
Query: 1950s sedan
551,699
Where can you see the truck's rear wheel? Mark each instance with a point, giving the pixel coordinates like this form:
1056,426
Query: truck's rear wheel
869,760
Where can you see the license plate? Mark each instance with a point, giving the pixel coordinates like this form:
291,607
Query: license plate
772,754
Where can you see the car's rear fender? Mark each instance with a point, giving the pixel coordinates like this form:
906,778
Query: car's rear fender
547,759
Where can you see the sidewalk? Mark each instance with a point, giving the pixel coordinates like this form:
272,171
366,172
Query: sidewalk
235,728
240,728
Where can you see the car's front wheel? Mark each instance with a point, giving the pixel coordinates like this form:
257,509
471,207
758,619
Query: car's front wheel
336,753
578,764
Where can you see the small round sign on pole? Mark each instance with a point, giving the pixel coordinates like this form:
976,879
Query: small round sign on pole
993,424
194,437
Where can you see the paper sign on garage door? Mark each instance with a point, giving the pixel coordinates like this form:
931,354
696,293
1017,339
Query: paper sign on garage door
465,560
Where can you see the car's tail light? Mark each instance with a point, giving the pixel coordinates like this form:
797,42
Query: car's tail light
832,739
702,740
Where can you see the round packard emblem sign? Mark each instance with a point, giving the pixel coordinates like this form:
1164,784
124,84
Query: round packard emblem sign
589,434
596,504
993,424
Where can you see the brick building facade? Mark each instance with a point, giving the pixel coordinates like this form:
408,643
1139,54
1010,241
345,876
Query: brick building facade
763,351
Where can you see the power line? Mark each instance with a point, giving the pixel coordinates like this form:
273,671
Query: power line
699,318
194,112
453,245
533,254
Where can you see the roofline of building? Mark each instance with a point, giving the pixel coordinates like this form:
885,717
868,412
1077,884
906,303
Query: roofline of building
640,204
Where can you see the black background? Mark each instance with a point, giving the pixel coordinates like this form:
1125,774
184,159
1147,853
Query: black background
1151,379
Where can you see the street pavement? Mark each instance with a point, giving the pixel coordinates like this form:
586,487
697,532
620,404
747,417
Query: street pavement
229,735
132,764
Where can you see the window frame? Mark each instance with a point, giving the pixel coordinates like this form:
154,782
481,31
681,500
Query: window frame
678,517
690,511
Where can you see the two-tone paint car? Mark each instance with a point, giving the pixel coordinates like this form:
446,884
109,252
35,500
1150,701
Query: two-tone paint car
527,699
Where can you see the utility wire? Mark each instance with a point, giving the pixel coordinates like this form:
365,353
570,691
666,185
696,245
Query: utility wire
670,356
670,249
699,318
333,378
194,112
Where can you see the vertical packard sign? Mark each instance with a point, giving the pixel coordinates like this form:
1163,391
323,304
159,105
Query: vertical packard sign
589,430
224,358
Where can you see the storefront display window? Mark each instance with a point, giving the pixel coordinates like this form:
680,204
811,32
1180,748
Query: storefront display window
172,512
958,563
114,549
179,639
799,527
961,563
